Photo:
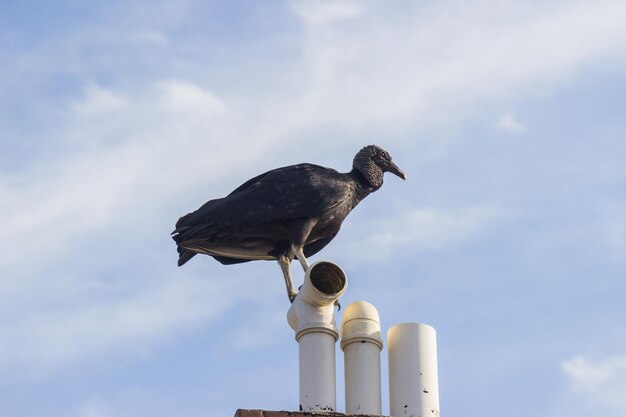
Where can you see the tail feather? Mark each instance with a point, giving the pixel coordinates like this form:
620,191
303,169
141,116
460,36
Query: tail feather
184,255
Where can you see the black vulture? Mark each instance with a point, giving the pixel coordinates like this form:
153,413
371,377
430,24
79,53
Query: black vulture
288,212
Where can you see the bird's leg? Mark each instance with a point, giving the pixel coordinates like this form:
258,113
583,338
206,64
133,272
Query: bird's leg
300,255
284,262
300,231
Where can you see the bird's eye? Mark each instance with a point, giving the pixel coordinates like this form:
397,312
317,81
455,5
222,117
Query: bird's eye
384,155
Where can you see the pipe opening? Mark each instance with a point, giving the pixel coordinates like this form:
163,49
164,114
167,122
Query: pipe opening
327,277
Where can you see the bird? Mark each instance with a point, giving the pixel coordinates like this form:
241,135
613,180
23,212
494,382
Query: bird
286,213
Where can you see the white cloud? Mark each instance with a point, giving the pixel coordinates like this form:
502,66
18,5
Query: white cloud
323,11
509,123
127,158
418,230
151,37
46,339
600,384
184,97
99,101
93,407
125,155
436,63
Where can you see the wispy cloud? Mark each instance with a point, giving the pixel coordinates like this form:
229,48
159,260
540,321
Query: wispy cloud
319,12
127,158
600,384
93,407
420,229
43,340
509,123
122,155
424,65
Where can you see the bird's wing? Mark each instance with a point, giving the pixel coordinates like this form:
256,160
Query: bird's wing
316,246
211,208
246,185
293,192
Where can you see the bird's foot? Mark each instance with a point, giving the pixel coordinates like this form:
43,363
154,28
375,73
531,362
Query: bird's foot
292,296
337,305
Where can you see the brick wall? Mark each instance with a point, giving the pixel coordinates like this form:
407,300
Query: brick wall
265,413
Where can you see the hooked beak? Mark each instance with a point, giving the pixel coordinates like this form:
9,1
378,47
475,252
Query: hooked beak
393,168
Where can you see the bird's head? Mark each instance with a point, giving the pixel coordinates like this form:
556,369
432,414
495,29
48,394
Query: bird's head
372,162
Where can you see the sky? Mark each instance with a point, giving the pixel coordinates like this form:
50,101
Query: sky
509,236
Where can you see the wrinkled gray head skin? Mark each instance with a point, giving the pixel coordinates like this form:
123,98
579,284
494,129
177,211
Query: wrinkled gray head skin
372,162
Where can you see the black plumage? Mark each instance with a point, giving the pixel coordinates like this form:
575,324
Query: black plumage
288,212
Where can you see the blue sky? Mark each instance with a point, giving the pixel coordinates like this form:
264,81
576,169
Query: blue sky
509,236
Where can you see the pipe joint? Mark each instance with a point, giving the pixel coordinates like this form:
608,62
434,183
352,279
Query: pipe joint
314,307
361,323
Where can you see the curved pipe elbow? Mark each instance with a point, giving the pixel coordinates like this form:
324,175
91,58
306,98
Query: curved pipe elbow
324,283
313,308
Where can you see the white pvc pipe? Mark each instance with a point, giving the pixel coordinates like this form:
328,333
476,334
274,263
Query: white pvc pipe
311,315
318,389
361,343
413,377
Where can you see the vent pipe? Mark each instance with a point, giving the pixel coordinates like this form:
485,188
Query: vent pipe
413,378
361,344
311,316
